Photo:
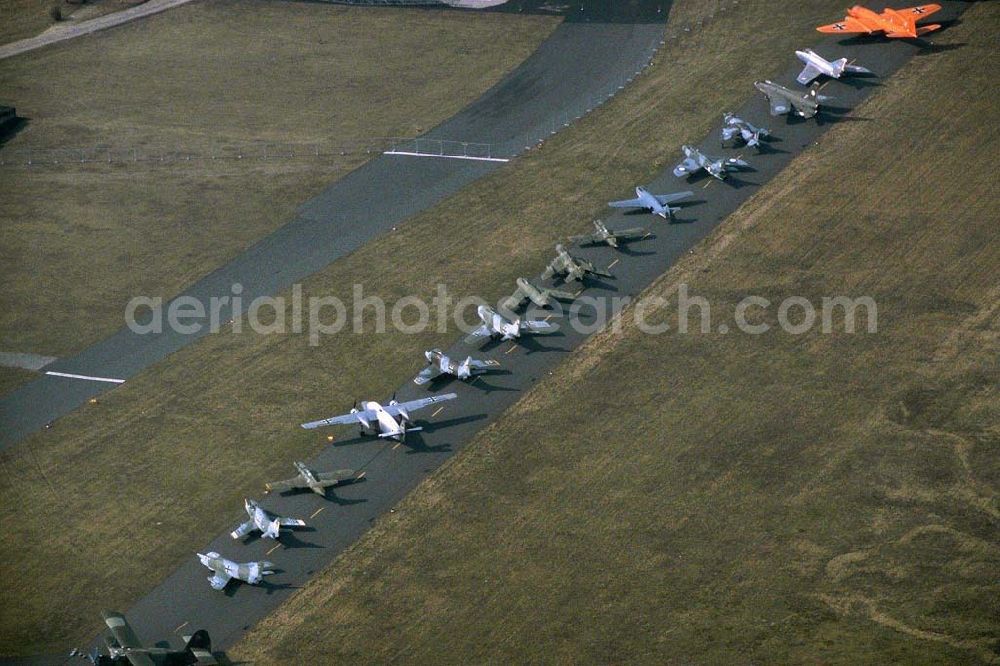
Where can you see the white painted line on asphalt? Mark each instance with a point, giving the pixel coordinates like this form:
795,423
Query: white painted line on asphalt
450,157
70,375
438,411
273,549
316,512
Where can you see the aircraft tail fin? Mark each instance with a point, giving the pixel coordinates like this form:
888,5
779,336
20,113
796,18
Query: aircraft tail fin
838,65
199,644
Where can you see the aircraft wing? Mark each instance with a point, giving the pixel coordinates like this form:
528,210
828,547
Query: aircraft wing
414,405
481,332
514,301
627,203
632,232
284,486
665,199
921,10
242,530
807,74
427,374
120,629
219,580
483,365
291,522
779,105
848,25
333,478
688,166
561,294
586,238
343,419
537,326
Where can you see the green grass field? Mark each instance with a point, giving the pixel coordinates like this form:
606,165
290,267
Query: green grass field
76,243
195,404
735,498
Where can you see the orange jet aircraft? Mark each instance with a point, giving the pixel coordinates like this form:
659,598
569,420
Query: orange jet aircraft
893,22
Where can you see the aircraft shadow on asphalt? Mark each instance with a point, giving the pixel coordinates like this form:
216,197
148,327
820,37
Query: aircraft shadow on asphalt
430,427
291,540
266,585
859,81
629,252
486,387
533,345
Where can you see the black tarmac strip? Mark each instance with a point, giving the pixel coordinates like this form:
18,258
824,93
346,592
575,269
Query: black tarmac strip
580,65
184,601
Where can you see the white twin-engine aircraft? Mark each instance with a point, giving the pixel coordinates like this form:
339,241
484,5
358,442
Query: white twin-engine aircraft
391,421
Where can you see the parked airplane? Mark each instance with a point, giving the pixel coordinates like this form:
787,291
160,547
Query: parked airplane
122,643
569,267
540,296
900,23
817,65
440,364
224,570
391,421
654,203
261,519
783,100
496,326
317,482
717,167
611,238
734,127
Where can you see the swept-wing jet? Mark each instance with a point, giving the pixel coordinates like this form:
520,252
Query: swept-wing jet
734,127
317,482
603,235
540,296
784,100
893,22
123,644
224,570
268,523
390,421
496,326
817,65
569,267
440,364
657,204
717,167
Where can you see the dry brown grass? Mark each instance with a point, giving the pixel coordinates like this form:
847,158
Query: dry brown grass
773,498
77,243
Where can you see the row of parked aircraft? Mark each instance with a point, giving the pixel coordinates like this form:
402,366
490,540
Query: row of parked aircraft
394,421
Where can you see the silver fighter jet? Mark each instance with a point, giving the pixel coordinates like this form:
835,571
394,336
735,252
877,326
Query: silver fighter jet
735,128
224,570
261,519
540,296
654,203
496,326
817,65
717,167
785,100
603,235
317,482
440,364
390,421
568,267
